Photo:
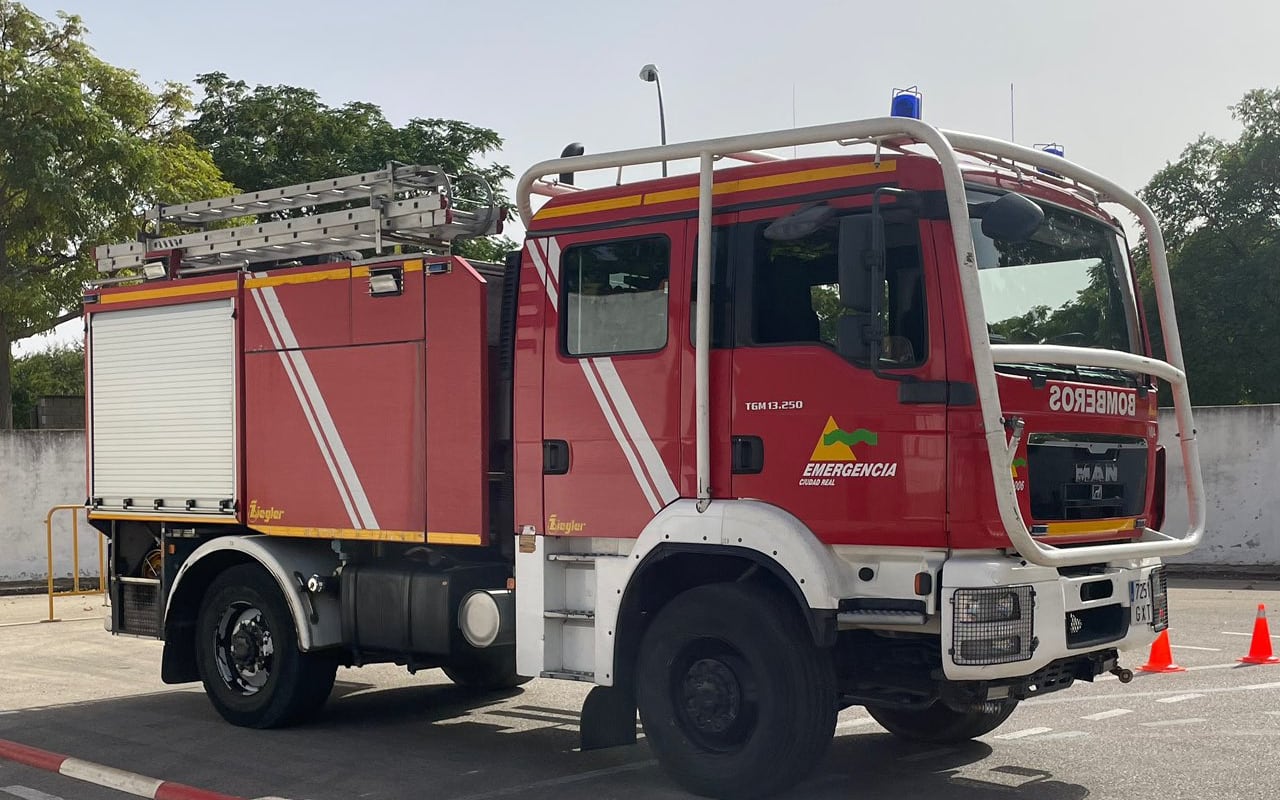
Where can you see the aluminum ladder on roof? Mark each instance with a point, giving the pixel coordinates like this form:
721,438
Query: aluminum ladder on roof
403,204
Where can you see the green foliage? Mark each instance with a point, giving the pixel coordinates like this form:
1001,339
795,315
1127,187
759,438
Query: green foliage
53,372
1219,210
269,136
85,146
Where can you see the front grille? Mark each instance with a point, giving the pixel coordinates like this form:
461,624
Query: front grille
1077,477
1098,625
1159,600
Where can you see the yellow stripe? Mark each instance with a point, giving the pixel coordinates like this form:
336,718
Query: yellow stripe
340,533
362,271
453,538
306,277
1089,526
157,518
727,187
588,208
174,291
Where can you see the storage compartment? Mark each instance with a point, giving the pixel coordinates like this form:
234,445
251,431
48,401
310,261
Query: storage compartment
137,602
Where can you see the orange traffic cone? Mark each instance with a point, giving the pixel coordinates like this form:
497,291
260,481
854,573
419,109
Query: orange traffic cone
1260,645
1161,659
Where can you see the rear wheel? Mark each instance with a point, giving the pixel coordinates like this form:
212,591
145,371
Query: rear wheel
941,724
736,699
248,656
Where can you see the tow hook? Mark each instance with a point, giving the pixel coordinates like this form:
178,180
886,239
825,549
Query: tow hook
1125,675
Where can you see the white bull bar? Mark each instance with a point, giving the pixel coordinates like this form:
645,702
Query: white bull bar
944,146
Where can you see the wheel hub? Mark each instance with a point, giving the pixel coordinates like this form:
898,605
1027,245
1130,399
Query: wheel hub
244,649
712,696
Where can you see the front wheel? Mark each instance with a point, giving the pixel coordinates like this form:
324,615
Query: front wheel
248,656
736,699
941,724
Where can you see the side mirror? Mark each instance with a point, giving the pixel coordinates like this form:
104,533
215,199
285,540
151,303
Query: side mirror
1011,218
855,267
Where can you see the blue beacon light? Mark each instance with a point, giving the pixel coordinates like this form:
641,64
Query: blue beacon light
905,103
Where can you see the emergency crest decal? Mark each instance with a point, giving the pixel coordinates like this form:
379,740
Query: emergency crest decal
834,457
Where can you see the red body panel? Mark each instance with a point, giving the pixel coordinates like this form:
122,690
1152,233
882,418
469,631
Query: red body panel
457,394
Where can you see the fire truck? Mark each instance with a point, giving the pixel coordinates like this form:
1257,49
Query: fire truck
740,447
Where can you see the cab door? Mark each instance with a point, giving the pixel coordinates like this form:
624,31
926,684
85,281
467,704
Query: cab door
611,377
859,457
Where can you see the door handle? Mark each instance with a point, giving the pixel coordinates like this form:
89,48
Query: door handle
748,455
555,457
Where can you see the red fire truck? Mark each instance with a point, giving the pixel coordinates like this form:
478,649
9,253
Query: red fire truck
741,447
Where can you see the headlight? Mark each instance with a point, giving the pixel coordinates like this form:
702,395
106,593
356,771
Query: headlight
992,625
985,605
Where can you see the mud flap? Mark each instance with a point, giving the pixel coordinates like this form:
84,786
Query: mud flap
608,718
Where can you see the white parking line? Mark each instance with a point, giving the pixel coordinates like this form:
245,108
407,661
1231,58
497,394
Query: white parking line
1193,647
1115,712
1168,723
1178,698
1020,734
845,725
1048,737
1238,633
27,793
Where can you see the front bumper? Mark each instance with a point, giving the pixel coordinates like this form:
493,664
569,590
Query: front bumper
1072,614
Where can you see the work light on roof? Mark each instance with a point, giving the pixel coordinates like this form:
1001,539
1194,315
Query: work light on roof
905,103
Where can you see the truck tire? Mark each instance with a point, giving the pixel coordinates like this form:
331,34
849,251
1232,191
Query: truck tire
941,724
491,670
736,699
248,657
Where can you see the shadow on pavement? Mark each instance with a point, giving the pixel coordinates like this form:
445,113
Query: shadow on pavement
438,740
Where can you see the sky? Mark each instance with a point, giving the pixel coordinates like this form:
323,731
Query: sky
1123,86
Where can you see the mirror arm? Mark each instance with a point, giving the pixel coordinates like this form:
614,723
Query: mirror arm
877,260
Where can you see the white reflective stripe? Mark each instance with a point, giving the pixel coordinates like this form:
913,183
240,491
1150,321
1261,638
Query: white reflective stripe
635,429
553,261
361,501
306,407
540,264
618,435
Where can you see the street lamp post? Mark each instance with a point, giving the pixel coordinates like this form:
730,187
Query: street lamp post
649,73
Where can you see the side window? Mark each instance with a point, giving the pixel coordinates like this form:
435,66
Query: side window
615,296
795,291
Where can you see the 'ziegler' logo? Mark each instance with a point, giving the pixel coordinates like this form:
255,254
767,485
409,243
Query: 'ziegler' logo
259,514
564,526
833,457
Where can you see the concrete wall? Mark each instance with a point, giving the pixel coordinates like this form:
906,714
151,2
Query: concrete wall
40,469
1239,457
1240,462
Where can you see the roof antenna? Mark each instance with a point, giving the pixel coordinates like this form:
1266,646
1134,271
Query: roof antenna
1011,137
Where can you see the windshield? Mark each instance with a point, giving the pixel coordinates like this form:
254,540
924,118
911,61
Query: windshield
1067,284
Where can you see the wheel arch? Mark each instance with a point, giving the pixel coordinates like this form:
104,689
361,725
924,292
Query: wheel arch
732,541
316,617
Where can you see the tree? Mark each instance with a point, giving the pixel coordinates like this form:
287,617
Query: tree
1219,210
84,146
282,135
52,372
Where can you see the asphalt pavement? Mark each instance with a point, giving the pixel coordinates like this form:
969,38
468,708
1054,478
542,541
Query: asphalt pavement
1210,732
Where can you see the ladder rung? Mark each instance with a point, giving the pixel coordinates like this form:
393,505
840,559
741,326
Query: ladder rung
568,674
582,556
568,613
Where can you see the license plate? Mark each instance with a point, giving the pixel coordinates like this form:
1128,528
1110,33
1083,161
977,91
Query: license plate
1140,605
